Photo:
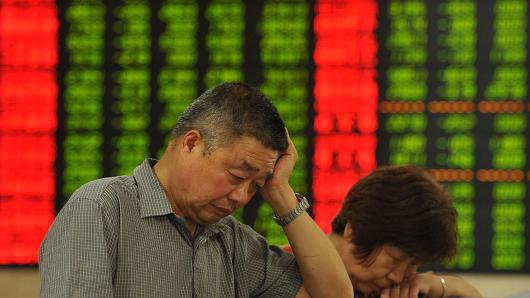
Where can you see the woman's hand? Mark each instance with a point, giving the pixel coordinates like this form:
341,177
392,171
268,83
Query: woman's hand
424,284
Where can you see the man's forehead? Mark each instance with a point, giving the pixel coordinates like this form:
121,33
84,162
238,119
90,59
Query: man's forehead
248,167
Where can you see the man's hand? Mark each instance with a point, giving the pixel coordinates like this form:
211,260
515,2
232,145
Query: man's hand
277,187
320,266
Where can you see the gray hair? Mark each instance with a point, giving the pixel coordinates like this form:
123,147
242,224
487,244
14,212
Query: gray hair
230,111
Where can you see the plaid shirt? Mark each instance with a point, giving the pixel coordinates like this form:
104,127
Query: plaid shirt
118,237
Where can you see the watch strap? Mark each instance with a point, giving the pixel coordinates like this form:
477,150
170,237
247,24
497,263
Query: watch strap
300,208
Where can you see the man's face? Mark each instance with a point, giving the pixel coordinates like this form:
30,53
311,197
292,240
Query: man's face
387,265
218,183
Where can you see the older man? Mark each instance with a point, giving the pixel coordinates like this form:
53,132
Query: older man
166,230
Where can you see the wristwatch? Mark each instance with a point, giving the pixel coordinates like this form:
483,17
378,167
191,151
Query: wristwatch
302,206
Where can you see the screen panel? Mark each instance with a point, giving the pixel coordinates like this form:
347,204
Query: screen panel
359,83
28,121
453,99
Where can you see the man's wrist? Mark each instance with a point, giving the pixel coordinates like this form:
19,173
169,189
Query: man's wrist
281,199
300,208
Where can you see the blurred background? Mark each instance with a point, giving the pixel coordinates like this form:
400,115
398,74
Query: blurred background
90,88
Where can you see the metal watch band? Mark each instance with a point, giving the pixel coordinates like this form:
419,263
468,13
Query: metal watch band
302,206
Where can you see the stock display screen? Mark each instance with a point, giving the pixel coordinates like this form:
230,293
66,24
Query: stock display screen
88,89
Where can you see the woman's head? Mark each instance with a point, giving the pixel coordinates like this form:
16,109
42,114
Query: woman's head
391,220
401,206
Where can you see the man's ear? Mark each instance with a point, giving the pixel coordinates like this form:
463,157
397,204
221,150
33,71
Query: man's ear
192,140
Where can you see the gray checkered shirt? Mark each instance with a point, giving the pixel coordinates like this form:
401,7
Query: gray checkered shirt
118,237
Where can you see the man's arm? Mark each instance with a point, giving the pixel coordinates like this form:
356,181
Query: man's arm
322,270
76,258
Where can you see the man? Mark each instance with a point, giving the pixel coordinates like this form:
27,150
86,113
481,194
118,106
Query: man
391,221
166,230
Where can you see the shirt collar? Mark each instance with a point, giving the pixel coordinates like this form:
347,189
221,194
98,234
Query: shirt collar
153,200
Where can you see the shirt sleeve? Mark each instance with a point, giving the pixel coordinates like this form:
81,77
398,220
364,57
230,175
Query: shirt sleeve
270,271
77,256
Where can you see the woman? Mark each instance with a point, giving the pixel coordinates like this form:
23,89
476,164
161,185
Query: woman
391,222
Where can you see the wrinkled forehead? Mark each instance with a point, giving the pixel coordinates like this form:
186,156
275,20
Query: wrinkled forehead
251,156
266,169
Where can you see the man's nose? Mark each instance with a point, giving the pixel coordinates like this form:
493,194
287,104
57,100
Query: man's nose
240,194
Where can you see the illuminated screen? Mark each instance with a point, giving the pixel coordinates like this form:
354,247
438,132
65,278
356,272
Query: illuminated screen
453,98
89,89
